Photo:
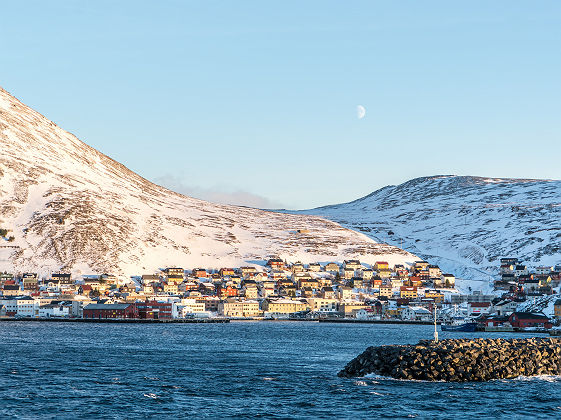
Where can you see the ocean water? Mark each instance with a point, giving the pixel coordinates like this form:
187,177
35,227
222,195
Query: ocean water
239,370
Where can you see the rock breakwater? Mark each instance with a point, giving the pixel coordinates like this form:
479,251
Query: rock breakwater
460,360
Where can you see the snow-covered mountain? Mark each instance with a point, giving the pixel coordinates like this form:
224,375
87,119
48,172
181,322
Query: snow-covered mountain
70,207
463,223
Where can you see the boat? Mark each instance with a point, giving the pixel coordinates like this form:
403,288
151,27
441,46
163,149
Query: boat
459,324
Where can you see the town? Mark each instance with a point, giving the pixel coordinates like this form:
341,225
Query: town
278,290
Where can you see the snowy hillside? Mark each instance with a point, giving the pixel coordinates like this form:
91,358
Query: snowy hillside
70,207
464,224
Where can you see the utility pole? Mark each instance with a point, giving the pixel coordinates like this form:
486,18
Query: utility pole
435,330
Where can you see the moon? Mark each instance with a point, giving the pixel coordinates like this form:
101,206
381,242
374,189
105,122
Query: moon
360,112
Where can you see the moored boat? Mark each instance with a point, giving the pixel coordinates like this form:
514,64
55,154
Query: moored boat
459,324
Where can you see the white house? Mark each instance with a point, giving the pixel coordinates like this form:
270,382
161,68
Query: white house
416,313
544,270
54,310
478,308
27,307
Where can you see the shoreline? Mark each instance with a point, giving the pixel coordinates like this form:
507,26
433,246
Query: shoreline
121,321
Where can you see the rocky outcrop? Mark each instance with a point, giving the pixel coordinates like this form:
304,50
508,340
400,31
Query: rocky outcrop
460,360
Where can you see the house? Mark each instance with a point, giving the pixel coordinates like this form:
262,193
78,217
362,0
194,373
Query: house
245,271
226,272
199,273
478,308
54,310
170,288
396,282
174,271
327,293
279,308
507,269
367,273
151,309
332,268
352,265
314,267
504,307
149,279
435,295
251,291
434,271
386,290
348,273
544,270
111,311
381,266
345,292
557,309
30,281
520,270
323,304
448,280
11,290
350,308
27,307
525,320
62,278
84,289
416,313
187,308
420,265
531,285
509,260
408,292
276,264
207,288
128,288
495,321
239,309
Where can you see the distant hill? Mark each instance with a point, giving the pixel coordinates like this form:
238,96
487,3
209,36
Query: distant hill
463,223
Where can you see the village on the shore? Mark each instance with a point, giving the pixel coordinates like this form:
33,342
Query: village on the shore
294,291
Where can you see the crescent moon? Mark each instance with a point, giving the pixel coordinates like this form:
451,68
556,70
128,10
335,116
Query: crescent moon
360,112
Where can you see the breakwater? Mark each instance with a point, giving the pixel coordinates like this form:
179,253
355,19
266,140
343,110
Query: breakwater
460,360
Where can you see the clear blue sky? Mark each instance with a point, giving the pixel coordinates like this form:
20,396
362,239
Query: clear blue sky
255,101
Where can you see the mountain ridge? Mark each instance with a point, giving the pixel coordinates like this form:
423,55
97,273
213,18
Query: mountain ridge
72,208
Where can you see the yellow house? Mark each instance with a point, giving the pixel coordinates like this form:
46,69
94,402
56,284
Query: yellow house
323,304
350,308
408,292
386,290
381,266
251,292
239,309
557,309
435,295
283,306
170,288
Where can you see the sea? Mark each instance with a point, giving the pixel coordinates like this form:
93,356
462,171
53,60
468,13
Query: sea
276,370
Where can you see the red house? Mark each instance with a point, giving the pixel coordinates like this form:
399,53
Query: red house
154,310
276,263
111,311
524,320
200,273
228,291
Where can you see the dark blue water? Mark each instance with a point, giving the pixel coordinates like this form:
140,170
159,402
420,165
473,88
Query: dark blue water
243,369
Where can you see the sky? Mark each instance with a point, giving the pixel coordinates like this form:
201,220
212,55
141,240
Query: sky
255,102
